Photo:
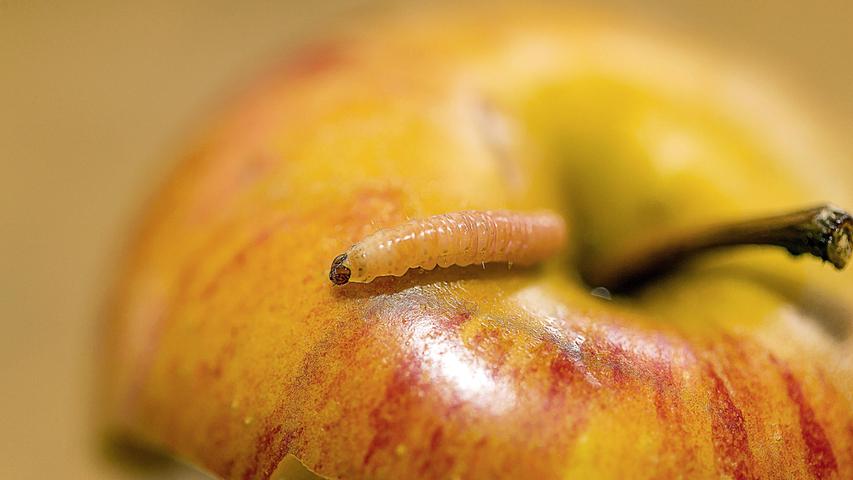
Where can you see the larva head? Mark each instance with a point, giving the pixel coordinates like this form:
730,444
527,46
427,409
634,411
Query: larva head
340,273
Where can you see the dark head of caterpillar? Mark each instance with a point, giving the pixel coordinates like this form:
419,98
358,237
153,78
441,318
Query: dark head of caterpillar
339,274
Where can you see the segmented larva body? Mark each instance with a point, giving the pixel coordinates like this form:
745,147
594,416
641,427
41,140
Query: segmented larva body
461,238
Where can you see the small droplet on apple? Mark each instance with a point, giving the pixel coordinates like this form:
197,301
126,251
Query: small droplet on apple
601,292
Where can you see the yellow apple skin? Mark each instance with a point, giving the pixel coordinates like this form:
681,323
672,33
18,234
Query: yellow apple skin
228,346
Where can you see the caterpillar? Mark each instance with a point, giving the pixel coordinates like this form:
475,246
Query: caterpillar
459,238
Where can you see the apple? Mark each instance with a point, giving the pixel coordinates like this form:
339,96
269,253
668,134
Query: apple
228,346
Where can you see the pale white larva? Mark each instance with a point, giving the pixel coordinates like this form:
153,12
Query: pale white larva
460,238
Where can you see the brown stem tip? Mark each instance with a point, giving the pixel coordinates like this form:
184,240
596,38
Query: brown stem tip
825,232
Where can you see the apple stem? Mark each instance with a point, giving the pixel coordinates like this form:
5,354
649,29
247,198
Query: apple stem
825,232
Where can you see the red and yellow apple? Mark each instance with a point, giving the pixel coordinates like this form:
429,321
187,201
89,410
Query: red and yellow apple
228,346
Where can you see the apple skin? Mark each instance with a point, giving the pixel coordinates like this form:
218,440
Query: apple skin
228,346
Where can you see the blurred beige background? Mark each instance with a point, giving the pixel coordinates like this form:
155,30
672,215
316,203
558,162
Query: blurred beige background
95,99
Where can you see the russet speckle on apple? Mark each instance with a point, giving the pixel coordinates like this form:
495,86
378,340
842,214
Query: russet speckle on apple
633,162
